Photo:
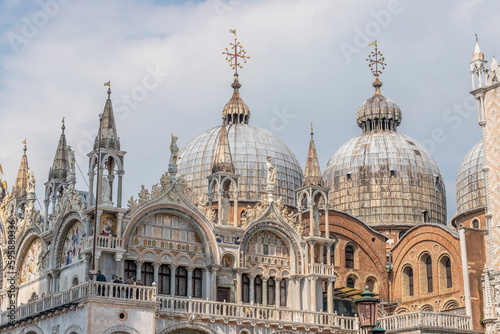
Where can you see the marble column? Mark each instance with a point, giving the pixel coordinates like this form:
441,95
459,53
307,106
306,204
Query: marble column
119,189
238,286
119,225
138,270
329,254
235,203
215,269
252,287
311,248
118,264
190,281
313,305
156,266
277,291
173,269
330,294
264,290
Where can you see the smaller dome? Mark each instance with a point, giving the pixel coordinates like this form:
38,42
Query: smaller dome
378,113
471,188
236,111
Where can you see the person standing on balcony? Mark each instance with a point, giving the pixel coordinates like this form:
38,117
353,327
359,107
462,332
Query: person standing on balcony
100,278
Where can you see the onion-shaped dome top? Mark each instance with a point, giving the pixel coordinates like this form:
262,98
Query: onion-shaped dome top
471,188
250,147
236,111
378,113
385,177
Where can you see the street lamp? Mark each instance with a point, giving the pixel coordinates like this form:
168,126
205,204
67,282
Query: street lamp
367,309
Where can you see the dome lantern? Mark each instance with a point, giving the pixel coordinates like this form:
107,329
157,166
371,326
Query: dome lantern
378,113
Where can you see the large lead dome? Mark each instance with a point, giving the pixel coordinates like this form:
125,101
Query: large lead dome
471,189
382,176
250,146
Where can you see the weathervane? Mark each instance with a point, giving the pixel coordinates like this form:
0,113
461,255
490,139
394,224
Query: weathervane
375,60
238,52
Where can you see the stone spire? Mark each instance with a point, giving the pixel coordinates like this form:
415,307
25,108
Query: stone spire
109,135
223,161
477,51
312,176
60,165
236,111
21,184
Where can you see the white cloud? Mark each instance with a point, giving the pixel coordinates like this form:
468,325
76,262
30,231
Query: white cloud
296,63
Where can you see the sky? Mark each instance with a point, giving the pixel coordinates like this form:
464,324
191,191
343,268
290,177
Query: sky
168,75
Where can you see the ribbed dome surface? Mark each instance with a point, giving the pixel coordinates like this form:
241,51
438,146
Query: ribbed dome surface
250,146
384,111
362,184
471,187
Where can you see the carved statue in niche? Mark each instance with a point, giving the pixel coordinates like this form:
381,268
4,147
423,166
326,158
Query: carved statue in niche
106,191
316,219
271,172
225,207
31,182
71,158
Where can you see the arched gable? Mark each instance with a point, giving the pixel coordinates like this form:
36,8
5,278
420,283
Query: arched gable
33,246
178,210
285,231
60,232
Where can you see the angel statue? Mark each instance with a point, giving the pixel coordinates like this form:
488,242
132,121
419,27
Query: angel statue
271,172
174,150
31,181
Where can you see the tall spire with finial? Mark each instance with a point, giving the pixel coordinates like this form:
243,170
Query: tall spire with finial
223,162
19,189
312,176
109,135
376,62
60,165
478,67
235,111
477,51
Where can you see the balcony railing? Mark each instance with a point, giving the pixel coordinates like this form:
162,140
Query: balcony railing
75,294
437,320
320,269
256,313
108,242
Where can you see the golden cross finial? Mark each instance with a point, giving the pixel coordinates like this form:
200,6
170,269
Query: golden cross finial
238,52
376,59
24,141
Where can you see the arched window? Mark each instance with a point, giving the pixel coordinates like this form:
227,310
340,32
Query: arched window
428,269
349,257
351,282
164,280
258,290
271,291
447,266
475,223
181,281
197,283
75,281
147,273
408,277
245,288
370,282
283,292
129,270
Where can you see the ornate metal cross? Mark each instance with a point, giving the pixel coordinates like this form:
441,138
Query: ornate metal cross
236,52
376,58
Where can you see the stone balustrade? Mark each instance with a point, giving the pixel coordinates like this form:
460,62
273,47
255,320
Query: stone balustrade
103,241
430,320
75,295
320,269
206,309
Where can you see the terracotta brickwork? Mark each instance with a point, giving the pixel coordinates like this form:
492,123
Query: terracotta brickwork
412,251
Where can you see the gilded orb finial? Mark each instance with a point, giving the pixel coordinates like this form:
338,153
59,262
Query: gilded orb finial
236,52
376,63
